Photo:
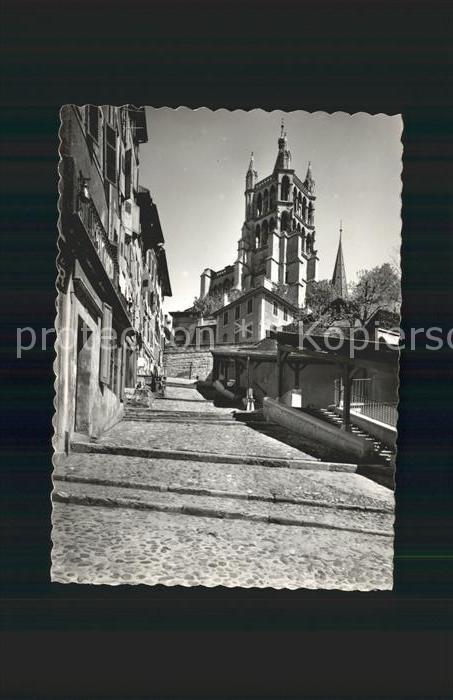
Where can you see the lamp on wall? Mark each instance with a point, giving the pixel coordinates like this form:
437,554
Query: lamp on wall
84,191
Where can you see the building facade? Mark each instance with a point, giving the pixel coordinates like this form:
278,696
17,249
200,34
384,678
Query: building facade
248,318
112,271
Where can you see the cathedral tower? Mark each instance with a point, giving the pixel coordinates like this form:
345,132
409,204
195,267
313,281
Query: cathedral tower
277,246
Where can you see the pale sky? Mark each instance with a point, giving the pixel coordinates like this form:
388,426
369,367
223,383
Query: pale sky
195,163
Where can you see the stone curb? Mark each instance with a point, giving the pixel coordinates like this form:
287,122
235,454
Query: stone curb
193,491
186,421
199,511
214,457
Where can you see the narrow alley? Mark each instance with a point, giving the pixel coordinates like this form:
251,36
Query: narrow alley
182,493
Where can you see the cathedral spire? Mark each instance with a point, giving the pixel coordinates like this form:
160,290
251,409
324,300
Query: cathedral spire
339,274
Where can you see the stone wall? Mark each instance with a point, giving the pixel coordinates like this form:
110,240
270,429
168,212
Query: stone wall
188,362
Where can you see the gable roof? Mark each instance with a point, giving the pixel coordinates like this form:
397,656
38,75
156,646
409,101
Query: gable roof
254,292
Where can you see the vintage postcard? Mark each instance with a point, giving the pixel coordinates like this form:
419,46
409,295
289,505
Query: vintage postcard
227,348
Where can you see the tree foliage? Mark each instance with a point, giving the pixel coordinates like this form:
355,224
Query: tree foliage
319,296
207,305
378,288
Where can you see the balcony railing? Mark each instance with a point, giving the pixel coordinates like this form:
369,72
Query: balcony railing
106,250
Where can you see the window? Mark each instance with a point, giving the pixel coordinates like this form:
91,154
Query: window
127,173
285,314
113,365
105,352
237,312
93,122
225,337
285,188
225,318
110,154
250,306
275,309
259,204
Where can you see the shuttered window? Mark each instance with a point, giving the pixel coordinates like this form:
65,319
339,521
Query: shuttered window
127,173
106,349
93,122
110,154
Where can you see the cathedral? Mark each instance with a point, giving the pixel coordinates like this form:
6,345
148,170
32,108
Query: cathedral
276,261
265,287
277,247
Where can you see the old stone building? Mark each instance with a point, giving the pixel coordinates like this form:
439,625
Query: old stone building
112,270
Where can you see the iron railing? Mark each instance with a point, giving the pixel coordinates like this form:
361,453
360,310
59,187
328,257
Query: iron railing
382,411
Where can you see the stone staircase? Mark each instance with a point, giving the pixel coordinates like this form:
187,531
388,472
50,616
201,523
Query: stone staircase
379,469
383,454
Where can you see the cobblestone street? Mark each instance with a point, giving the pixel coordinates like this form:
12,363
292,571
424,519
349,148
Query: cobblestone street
182,494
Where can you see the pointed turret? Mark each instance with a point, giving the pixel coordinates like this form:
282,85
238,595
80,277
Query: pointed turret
251,175
250,181
283,161
339,274
309,182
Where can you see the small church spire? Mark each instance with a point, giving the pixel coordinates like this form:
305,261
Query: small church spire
339,273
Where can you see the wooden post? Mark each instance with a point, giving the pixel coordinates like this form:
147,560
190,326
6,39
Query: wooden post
280,367
346,398
248,372
297,375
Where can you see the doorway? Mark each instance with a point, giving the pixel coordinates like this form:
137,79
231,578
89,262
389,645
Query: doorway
83,377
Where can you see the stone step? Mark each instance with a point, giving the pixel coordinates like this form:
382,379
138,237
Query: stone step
105,447
183,414
90,494
252,482
193,421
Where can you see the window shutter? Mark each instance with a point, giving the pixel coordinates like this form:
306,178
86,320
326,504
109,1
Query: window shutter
110,154
106,331
128,173
93,122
